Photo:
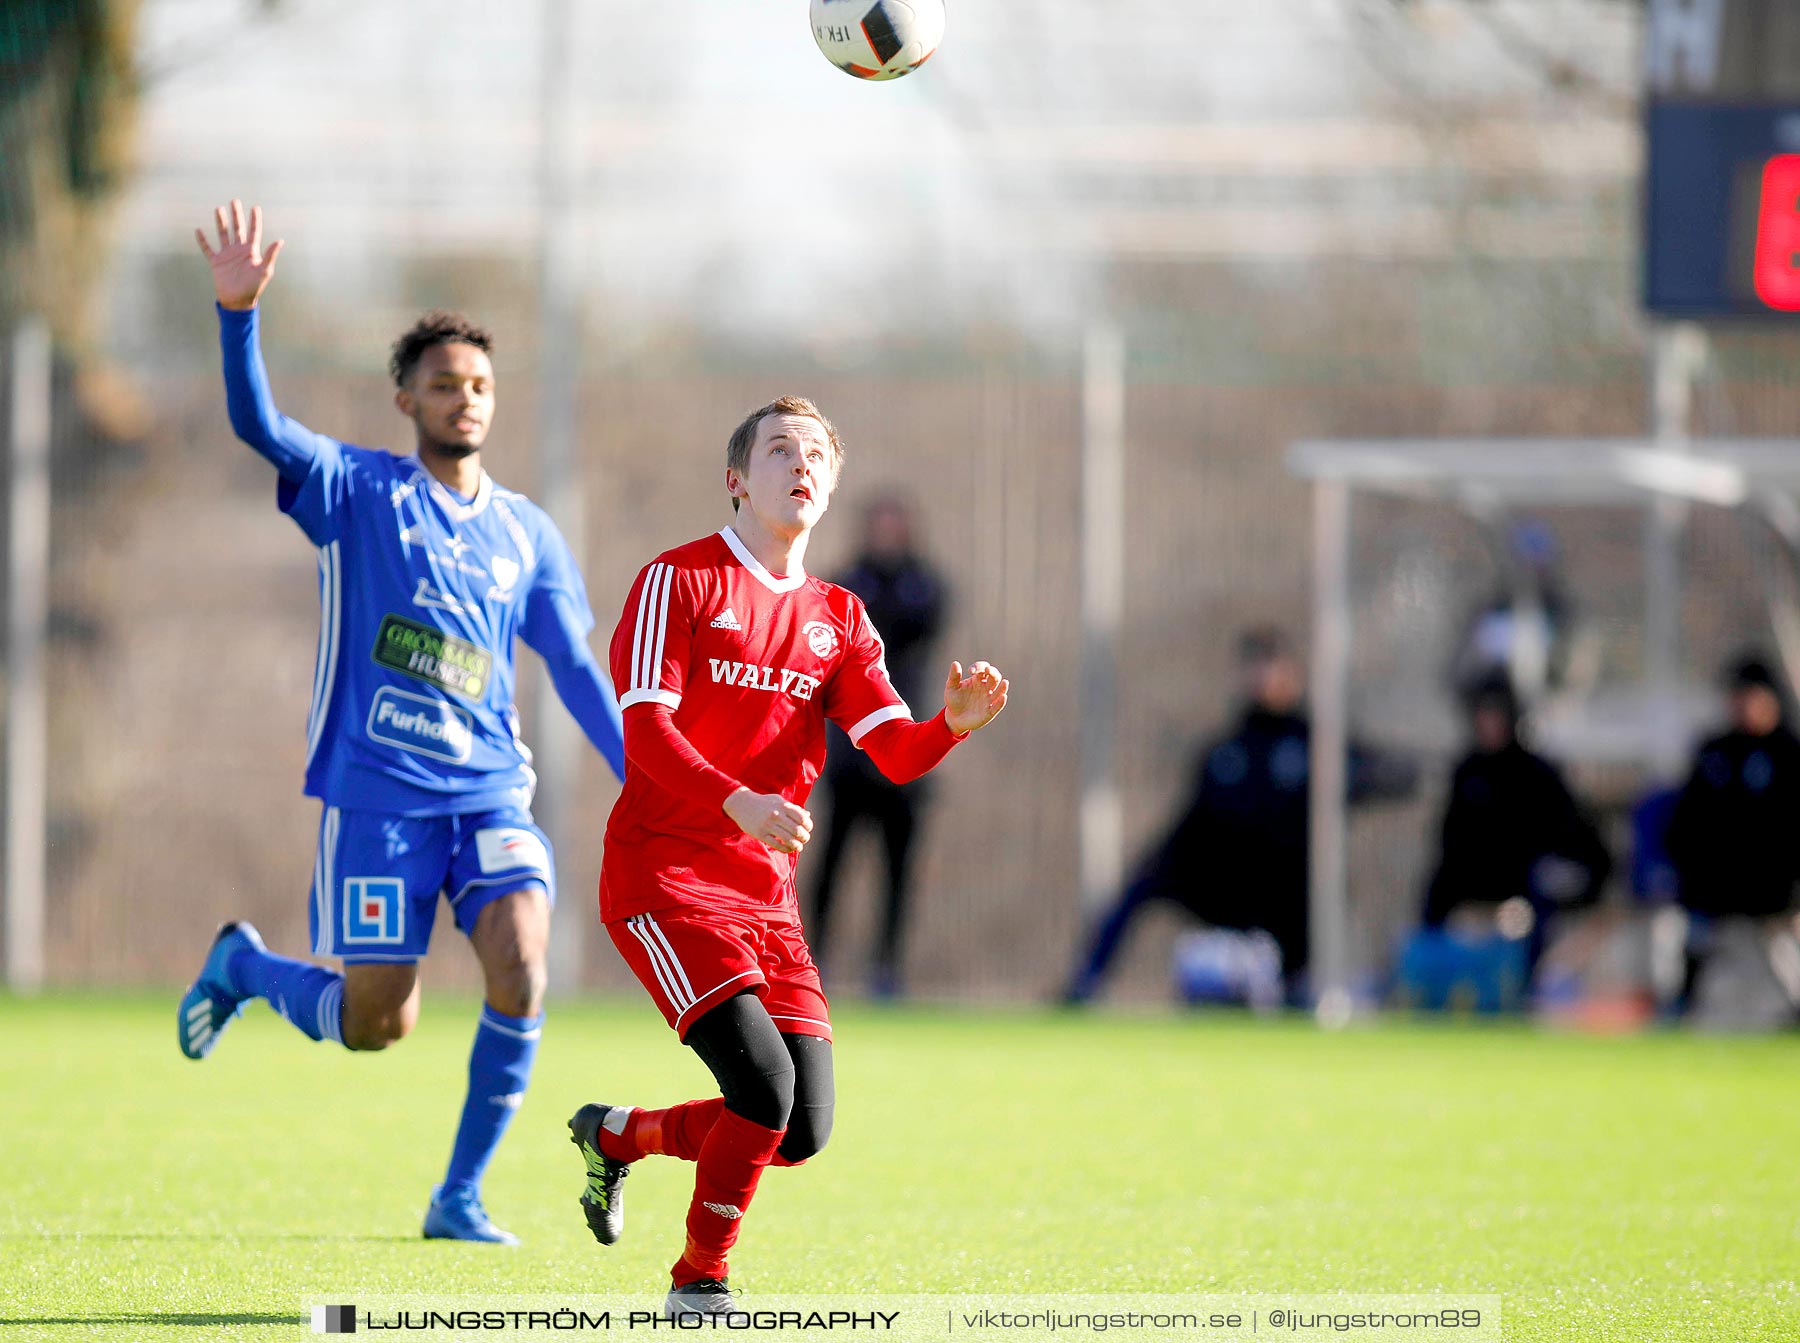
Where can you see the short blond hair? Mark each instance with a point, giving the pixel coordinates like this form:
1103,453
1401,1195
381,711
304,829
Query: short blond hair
737,448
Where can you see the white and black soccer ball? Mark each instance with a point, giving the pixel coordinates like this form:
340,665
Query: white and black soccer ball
878,39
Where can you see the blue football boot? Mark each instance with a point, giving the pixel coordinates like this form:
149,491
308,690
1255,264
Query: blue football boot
213,1002
457,1214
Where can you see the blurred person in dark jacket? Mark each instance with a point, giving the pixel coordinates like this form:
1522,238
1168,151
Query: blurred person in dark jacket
1513,836
1732,835
906,603
1237,855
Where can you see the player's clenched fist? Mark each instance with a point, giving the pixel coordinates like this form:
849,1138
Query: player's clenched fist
770,819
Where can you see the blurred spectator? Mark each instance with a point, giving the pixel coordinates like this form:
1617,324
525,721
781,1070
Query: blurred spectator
906,602
1237,856
1515,846
1731,836
1523,631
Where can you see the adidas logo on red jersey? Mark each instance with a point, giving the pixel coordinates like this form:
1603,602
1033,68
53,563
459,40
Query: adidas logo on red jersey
725,620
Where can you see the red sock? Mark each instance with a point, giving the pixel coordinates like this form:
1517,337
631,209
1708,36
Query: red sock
677,1131
731,1162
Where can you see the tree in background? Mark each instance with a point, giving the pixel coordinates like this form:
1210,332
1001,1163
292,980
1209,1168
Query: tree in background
67,98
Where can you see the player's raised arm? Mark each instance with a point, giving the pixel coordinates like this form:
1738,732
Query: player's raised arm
903,750
862,700
241,270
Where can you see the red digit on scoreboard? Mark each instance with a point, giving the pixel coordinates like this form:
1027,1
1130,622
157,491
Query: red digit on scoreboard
1777,270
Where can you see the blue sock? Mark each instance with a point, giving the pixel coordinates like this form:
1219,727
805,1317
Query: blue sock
499,1068
309,996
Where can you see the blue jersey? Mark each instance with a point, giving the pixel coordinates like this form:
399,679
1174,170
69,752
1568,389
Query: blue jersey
421,596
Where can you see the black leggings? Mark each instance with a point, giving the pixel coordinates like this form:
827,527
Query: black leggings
771,1078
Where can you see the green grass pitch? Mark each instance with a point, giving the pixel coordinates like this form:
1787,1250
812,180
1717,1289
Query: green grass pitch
1640,1188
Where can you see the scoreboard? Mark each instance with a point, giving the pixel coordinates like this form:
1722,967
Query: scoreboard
1722,179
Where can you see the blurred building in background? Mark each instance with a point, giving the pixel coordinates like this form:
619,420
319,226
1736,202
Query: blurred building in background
1304,218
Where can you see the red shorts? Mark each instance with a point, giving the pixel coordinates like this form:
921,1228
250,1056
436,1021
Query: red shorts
690,963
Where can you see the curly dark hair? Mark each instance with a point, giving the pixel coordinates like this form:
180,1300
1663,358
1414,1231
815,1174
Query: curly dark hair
437,327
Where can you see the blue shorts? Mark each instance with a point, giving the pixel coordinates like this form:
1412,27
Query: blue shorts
377,878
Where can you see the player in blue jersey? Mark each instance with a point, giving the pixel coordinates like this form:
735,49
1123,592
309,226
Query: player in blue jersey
428,570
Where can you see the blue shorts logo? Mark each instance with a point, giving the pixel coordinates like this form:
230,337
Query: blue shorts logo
374,910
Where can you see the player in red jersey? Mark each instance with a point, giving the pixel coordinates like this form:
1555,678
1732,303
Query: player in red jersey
729,658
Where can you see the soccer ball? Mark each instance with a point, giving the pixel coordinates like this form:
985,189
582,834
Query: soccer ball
878,39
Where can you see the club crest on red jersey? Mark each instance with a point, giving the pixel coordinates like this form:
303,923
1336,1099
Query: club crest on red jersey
820,637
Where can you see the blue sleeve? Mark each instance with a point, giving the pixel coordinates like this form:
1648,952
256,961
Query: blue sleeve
588,696
291,446
556,624
311,465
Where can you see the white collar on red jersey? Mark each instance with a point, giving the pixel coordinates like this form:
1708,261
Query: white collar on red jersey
755,566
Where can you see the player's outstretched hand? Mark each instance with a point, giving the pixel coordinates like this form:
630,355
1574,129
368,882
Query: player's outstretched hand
770,819
240,268
974,700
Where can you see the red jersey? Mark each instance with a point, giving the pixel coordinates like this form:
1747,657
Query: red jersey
751,666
